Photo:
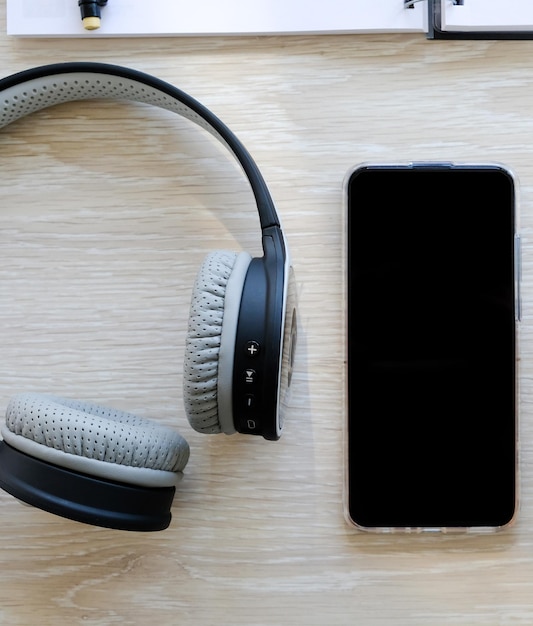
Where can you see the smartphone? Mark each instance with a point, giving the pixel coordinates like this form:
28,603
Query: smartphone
432,309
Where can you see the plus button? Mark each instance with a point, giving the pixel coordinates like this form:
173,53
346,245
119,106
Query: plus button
252,348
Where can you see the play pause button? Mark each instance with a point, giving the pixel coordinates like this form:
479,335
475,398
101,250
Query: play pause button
249,376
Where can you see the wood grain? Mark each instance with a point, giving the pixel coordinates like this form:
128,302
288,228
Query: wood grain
108,210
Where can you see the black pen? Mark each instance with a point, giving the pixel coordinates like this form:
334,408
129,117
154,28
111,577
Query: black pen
90,13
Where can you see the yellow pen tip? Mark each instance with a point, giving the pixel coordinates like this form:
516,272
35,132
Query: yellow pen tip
91,23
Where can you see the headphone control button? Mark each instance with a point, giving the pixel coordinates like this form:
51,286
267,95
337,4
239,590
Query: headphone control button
250,376
252,348
249,400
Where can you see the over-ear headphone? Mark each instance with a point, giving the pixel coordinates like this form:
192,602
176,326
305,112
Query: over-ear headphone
111,468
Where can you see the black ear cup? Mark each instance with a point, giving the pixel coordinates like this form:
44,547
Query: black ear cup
90,463
210,344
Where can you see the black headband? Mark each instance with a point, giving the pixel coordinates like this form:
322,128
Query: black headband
41,87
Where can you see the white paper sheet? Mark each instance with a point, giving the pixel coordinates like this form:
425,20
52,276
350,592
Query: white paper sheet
123,18
487,15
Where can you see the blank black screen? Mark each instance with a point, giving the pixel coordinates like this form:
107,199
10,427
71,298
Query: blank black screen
431,347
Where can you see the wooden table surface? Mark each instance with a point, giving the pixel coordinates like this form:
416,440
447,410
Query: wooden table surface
107,212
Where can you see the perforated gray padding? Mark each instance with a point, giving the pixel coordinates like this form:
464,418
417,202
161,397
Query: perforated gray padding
33,90
34,95
85,436
210,343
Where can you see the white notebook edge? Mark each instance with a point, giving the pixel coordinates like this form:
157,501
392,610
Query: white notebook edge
486,16
168,18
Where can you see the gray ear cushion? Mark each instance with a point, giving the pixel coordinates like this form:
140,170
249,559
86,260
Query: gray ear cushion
210,344
96,440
